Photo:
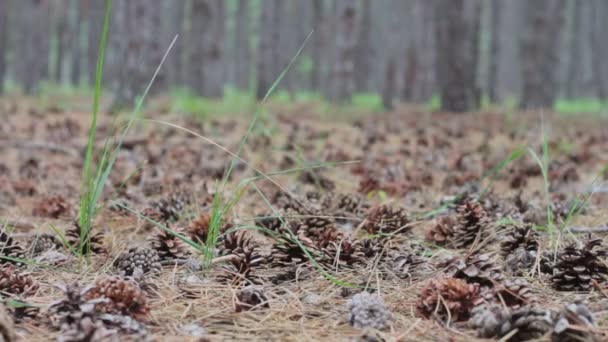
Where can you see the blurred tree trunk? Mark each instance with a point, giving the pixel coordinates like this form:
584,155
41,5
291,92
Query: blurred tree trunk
242,49
494,53
60,16
389,88
457,34
573,50
343,73
140,50
269,54
207,46
33,57
599,49
363,50
94,11
173,23
4,15
76,29
317,42
540,53
419,68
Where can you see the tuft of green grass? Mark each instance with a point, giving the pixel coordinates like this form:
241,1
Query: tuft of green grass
96,176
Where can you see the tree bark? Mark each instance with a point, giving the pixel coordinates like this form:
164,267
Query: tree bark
343,78
242,48
94,11
317,44
495,21
269,56
206,47
363,54
140,50
598,47
457,34
540,53
4,15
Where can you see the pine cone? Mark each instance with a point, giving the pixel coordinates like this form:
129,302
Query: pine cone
287,251
10,251
520,261
247,258
75,315
169,246
123,297
93,244
472,224
368,310
270,221
343,252
251,298
385,219
7,333
198,230
138,260
476,269
520,236
170,207
52,207
441,231
15,282
577,267
409,265
459,297
513,293
43,242
574,323
496,321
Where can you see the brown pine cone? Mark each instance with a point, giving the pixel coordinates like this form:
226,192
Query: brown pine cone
139,261
520,236
478,269
124,297
513,293
386,219
448,297
497,321
15,282
251,298
93,244
169,246
472,225
10,251
198,230
578,267
441,231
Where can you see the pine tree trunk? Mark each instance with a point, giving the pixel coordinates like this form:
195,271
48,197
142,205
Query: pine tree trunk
540,53
141,52
574,51
242,48
457,33
94,11
4,15
206,47
598,47
495,18
76,48
269,56
317,44
343,73
34,27
363,54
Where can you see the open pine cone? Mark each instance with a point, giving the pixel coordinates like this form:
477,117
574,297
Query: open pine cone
496,321
15,282
287,252
94,243
445,297
9,249
251,298
577,267
169,246
386,219
574,323
124,297
476,268
75,315
198,230
368,310
343,252
520,236
472,224
441,231
513,293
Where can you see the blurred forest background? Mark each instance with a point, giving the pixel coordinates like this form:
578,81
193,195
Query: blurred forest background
459,54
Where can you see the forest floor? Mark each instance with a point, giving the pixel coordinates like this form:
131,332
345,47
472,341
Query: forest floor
440,216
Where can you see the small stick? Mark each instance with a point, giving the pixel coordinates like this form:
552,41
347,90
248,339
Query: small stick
584,230
18,224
